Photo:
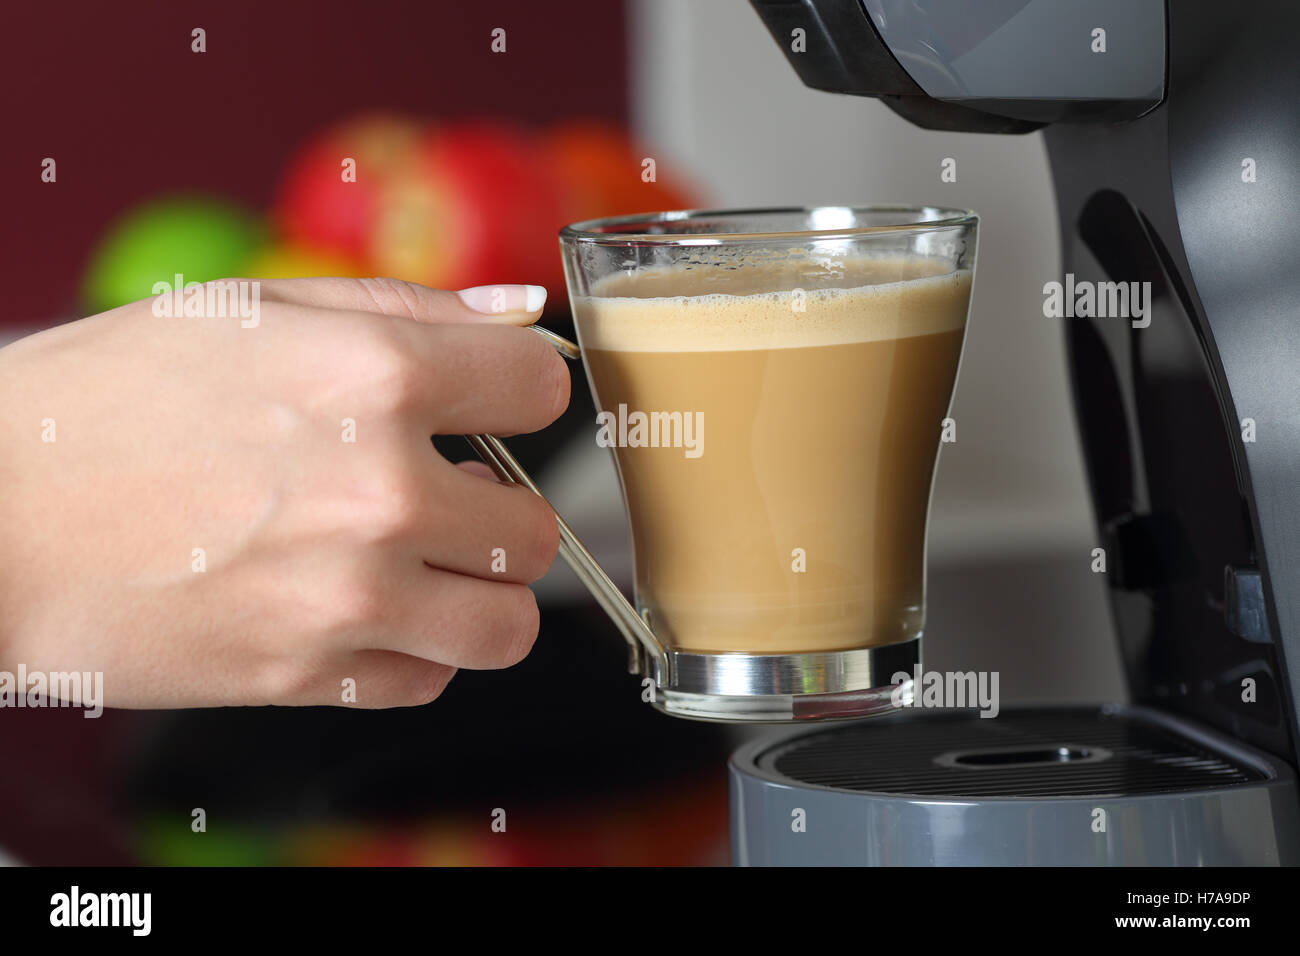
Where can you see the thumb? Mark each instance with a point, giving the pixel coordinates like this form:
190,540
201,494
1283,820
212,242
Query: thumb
504,303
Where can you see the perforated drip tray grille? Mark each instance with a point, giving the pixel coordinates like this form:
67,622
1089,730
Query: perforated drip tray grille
1029,753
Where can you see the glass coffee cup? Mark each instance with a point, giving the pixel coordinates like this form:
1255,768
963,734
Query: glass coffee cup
774,386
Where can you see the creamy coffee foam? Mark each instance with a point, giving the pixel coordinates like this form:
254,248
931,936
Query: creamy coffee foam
730,310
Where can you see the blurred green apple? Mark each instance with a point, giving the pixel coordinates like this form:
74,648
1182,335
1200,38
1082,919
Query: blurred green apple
195,237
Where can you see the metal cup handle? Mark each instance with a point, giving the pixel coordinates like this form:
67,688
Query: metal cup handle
647,656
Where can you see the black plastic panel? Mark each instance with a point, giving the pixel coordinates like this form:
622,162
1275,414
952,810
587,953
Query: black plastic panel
1202,528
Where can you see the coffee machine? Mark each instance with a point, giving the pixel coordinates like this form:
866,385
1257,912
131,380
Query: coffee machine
1173,132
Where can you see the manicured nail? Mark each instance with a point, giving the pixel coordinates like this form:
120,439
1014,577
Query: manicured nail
500,299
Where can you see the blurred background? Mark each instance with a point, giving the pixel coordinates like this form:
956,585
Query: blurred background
225,162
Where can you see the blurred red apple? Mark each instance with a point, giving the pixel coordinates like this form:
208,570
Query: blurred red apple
482,209
317,208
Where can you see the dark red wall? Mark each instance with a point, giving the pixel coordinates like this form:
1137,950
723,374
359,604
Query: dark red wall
112,92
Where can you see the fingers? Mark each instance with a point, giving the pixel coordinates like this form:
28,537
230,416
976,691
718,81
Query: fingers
478,469
438,580
467,622
479,379
399,630
447,379
387,679
456,369
486,529
372,679
450,618
505,303
504,300
439,571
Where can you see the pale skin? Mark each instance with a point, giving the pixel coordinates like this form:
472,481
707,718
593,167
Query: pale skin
321,559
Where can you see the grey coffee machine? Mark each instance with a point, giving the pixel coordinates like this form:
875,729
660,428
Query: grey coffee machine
1174,138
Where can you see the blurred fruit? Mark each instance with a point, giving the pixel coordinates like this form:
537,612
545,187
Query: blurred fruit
483,208
413,234
198,238
287,260
601,168
382,849
315,207
470,203
170,841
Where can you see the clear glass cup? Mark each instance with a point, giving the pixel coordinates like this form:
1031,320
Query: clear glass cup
774,385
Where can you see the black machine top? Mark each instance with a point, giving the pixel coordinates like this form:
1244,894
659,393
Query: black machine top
997,66
1023,753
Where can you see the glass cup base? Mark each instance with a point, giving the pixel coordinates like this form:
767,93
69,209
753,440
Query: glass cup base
780,688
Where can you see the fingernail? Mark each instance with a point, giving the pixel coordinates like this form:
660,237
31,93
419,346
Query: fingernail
500,299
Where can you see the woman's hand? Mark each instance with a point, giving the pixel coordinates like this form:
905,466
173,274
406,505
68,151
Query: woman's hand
213,511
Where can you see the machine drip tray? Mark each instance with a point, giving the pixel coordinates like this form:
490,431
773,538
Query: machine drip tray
1112,786
1029,753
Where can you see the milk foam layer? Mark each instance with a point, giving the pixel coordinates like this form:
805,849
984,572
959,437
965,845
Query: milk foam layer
897,298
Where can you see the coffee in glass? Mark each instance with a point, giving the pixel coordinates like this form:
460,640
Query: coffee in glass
774,385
